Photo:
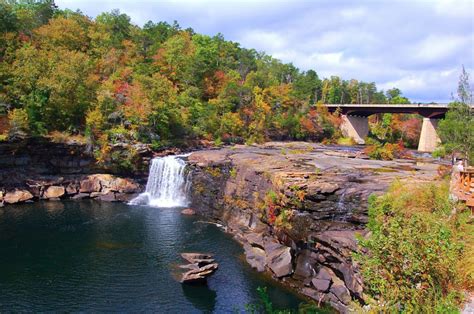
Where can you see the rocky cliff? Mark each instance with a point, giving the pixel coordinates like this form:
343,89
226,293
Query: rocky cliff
36,169
298,209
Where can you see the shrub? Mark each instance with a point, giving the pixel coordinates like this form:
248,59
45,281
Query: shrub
387,151
416,251
440,152
19,123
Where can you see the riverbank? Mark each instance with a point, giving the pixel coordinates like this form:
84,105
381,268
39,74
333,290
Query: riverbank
298,209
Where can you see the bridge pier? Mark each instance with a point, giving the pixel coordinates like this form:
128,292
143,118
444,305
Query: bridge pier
429,138
355,127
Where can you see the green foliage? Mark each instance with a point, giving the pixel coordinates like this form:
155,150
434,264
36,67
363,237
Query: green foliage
19,123
414,251
114,81
457,130
265,305
439,152
387,151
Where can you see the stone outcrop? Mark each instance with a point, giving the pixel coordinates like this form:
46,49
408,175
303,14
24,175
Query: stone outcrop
54,192
188,212
103,187
323,196
17,196
35,169
200,266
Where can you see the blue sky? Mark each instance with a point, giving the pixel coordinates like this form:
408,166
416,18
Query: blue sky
418,45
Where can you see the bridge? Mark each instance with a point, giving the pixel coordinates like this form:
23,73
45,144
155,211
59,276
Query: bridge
356,124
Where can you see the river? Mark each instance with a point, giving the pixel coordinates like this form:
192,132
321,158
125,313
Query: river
102,257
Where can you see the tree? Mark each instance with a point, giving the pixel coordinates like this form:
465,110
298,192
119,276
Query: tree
457,128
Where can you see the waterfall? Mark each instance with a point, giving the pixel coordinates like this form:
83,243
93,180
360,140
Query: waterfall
168,183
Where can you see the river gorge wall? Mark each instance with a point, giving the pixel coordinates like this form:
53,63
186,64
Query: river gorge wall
298,209
36,169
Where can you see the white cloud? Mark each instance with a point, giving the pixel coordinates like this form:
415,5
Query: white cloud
418,46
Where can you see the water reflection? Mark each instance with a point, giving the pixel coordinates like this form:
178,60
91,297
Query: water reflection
101,257
201,297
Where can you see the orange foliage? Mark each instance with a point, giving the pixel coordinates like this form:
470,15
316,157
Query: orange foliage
214,84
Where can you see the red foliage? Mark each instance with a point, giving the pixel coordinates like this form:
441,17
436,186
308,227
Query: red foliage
271,214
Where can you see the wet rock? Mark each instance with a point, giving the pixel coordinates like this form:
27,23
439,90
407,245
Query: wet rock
107,197
188,212
17,196
54,192
121,197
81,196
193,257
278,258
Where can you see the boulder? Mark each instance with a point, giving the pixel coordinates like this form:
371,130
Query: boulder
339,289
321,284
108,197
199,275
352,280
255,256
193,257
17,196
89,185
124,186
71,189
254,239
121,197
325,273
54,192
188,212
278,259
81,196
304,265
200,267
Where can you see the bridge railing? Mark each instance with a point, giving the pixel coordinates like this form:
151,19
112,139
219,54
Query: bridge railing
464,187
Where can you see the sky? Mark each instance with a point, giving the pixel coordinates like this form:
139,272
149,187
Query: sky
418,46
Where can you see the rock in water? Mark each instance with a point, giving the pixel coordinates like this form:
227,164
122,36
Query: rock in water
200,274
54,192
192,257
200,267
188,212
17,196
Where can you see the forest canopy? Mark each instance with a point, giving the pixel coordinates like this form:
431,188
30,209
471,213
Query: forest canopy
111,80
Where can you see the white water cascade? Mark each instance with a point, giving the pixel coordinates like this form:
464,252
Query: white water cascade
168,183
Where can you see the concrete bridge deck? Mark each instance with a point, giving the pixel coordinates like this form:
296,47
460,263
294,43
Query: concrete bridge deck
355,123
436,111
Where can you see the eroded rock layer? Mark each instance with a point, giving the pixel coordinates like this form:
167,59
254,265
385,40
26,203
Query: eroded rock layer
298,209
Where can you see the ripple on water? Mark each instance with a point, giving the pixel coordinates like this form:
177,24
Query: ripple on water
91,256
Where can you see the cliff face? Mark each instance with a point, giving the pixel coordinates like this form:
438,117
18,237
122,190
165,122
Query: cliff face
297,209
39,169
